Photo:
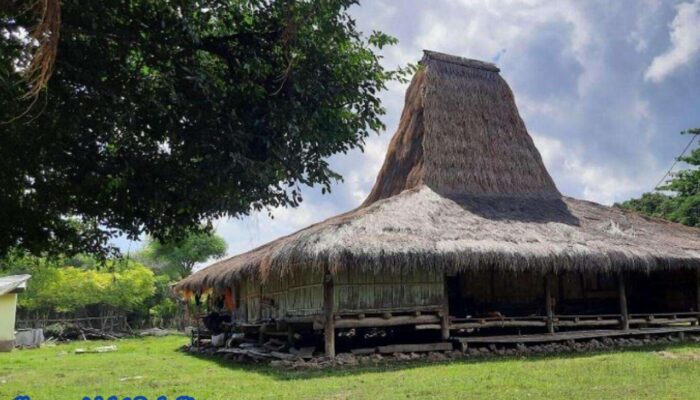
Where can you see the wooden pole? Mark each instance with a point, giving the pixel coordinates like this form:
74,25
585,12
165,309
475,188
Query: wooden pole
697,286
445,313
625,323
260,305
329,320
291,339
548,303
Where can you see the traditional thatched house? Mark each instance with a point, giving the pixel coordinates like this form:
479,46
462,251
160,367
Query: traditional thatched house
465,229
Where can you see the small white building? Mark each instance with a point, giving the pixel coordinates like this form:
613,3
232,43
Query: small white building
9,287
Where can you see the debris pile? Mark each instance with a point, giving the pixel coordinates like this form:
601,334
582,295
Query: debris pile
64,332
241,349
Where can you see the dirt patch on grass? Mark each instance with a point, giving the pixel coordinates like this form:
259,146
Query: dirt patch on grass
692,355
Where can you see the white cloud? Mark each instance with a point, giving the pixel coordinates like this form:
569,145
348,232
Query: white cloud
243,234
685,43
640,36
597,183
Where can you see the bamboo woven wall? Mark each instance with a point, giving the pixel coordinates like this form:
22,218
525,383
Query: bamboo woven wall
302,294
403,291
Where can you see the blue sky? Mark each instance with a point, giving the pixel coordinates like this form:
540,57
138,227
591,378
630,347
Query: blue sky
604,88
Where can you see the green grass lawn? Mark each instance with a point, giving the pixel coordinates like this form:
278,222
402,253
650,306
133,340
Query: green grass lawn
154,366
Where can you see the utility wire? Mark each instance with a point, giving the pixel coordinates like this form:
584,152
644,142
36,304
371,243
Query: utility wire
692,139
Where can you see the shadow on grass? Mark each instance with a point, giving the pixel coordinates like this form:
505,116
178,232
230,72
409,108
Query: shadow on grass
280,373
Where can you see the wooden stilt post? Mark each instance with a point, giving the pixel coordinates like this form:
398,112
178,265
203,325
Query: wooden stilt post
445,317
697,286
548,303
261,333
261,329
260,304
625,323
329,320
290,335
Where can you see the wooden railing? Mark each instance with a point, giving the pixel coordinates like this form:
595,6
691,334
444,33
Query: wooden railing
597,320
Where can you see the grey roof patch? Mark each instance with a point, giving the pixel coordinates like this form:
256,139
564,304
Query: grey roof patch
466,62
13,283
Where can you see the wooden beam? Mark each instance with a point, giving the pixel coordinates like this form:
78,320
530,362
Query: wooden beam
574,335
375,322
548,303
329,321
424,327
497,324
415,348
602,322
667,321
363,351
445,317
625,322
260,304
697,286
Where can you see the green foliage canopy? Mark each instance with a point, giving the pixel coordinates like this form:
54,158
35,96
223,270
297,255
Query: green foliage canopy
161,114
177,258
60,288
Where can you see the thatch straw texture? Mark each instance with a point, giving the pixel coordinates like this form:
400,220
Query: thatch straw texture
463,187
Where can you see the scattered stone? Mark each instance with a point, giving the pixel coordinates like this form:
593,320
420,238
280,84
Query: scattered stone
278,363
369,350
435,356
346,359
454,354
304,352
283,356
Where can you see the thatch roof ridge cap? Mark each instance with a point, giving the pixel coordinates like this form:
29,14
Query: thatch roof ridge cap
458,60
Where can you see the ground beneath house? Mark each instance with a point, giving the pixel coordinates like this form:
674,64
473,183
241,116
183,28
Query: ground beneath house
156,366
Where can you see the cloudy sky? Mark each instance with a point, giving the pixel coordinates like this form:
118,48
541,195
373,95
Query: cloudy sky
604,89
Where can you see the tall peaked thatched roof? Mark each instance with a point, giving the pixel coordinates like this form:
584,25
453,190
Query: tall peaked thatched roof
463,187
460,133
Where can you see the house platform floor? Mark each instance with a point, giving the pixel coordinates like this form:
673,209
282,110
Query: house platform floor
575,335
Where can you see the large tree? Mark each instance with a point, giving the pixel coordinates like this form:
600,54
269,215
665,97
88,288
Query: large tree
678,199
161,114
178,258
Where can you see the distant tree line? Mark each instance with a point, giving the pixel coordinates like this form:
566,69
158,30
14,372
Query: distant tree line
136,286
